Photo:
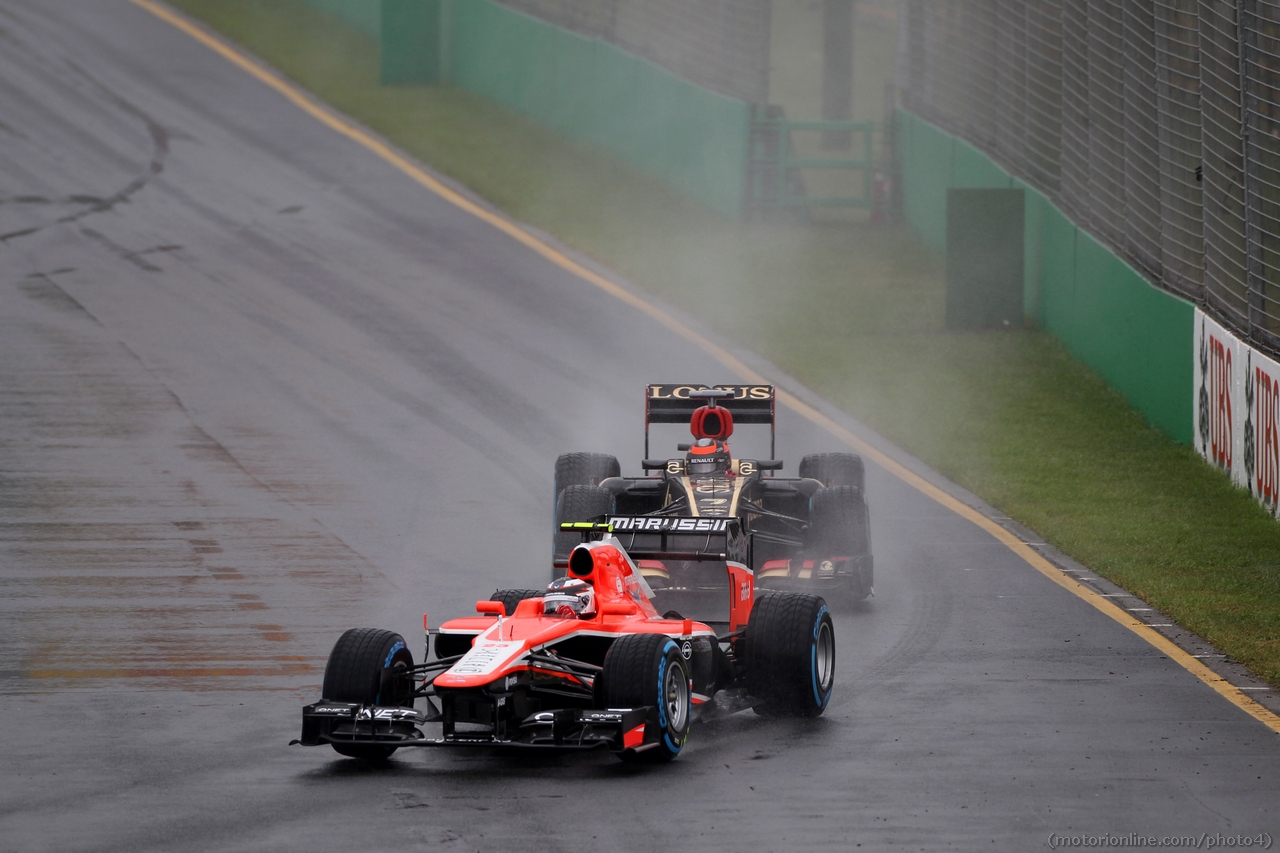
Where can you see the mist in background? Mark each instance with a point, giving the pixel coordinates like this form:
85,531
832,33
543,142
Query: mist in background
853,308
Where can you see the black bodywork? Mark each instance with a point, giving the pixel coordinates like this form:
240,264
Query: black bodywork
781,547
773,511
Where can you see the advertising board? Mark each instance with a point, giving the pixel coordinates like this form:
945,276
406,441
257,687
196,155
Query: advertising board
1237,410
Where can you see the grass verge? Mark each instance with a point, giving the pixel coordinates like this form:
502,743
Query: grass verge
855,312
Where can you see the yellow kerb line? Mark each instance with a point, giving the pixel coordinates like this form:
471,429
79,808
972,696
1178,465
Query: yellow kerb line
357,134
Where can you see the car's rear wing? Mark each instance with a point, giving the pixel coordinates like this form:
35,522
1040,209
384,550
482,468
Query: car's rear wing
671,404
659,537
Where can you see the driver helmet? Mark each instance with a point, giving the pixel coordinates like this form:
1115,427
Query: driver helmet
567,598
708,456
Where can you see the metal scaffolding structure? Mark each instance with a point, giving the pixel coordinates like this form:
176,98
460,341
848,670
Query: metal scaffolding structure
1155,124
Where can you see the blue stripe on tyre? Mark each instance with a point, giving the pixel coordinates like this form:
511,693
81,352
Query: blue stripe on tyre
662,670
662,697
813,661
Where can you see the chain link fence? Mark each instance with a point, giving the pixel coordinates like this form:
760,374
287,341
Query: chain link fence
721,45
1155,124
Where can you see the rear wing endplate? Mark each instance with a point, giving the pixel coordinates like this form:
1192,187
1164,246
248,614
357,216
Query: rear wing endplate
671,404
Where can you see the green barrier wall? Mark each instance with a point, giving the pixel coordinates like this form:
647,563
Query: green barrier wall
926,165
364,15
409,48
583,88
1136,336
589,90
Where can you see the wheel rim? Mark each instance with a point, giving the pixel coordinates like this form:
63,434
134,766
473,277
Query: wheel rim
399,690
824,657
676,696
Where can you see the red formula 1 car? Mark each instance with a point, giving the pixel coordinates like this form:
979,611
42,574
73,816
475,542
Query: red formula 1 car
588,663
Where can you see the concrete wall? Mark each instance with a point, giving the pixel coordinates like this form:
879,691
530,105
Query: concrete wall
1137,337
589,90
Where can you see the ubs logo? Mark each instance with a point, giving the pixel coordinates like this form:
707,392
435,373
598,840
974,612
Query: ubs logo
1220,405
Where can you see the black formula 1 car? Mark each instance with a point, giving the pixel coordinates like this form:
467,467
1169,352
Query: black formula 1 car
805,534
588,663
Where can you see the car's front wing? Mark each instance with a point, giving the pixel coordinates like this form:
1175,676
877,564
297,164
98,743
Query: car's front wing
568,728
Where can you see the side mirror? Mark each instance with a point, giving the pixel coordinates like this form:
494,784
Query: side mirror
491,608
617,608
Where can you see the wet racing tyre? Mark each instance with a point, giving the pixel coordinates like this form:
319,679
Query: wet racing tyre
835,469
584,469
369,666
512,597
648,669
789,654
838,523
577,503
839,526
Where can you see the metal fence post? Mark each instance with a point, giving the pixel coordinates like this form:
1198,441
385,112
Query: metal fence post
780,173
1255,278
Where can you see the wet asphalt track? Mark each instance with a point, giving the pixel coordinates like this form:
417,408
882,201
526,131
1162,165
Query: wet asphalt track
256,388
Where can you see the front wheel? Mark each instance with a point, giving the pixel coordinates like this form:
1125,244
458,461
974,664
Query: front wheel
790,654
835,469
369,666
648,670
577,503
584,469
840,527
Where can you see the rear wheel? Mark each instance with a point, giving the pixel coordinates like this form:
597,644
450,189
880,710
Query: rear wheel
584,469
648,670
369,666
510,598
835,469
789,654
577,503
